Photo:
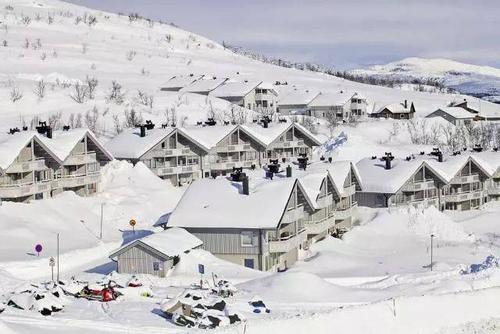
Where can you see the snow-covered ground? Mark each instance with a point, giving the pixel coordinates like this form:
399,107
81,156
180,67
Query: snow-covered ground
377,279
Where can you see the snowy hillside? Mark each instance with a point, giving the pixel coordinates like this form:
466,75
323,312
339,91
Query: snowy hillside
63,44
480,81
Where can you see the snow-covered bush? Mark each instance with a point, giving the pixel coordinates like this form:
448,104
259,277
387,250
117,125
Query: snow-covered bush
145,99
16,94
80,92
40,88
115,93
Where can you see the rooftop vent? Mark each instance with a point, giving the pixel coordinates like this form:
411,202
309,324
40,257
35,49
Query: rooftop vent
66,127
25,128
477,148
274,166
288,171
149,125
210,122
265,121
143,130
495,149
437,152
388,160
44,129
302,160
237,175
14,130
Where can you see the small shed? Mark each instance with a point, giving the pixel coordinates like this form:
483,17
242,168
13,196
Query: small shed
156,253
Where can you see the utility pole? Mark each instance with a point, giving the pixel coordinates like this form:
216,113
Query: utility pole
432,248
57,258
102,217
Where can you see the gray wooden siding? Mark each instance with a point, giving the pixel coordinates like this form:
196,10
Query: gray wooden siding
226,240
138,260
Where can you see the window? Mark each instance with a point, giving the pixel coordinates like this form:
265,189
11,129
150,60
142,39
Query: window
247,239
249,263
156,266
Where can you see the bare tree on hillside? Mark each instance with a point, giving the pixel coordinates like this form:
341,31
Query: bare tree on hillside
91,83
115,94
91,119
79,92
40,88
16,94
145,99
331,121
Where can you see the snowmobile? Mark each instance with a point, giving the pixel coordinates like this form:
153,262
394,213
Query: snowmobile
99,293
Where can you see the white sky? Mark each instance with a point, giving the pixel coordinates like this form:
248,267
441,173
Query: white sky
340,33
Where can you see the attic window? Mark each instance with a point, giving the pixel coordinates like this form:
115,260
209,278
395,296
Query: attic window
29,145
247,239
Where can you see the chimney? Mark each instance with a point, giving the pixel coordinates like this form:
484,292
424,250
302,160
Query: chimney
143,130
388,160
289,171
406,104
246,187
440,156
49,132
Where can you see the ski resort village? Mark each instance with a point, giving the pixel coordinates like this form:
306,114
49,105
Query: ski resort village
155,181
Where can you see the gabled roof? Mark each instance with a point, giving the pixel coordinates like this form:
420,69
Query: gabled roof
235,88
219,203
180,81
269,86
169,243
311,183
337,171
130,145
452,165
397,108
63,142
331,99
275,130
203,85
455,112
377,179
490,161
11,146
298,97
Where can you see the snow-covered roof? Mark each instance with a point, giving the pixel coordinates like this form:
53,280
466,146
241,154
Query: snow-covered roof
208,136
130,145
331,99
275,130
63,142
457,112
338,171
452,165
311,183
219,203
11,146
235,88
204,85
171,242
396,108
268,86
490,161
298,97
180,81
377,179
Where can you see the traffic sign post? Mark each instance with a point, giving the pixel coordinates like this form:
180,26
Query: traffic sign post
38,249
132,223
52,263
201,270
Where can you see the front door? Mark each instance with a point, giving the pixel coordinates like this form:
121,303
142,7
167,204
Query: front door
249,263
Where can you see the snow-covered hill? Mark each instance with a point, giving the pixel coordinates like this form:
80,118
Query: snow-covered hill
62,44
480,81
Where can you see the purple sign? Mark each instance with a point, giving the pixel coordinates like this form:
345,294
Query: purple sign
38,248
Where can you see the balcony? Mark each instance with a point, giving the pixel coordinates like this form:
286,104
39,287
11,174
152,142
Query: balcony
344,213
461,197
323,202
465,179
81,159
228,165
318,227
494,189
293,215
172,152
27,166
235,148
177,170
16,190
289,144
286,244
417,186
349,191
72,181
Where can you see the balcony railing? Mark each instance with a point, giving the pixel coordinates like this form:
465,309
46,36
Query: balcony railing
235,148
177,170
288,144
317,227
15,190
323,202
465,179
81,159
27,166
76,180
286,244
349,191
293,215
171,152
417,186
225,165
464,196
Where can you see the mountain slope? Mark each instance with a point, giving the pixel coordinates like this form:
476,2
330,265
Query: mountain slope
480,81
